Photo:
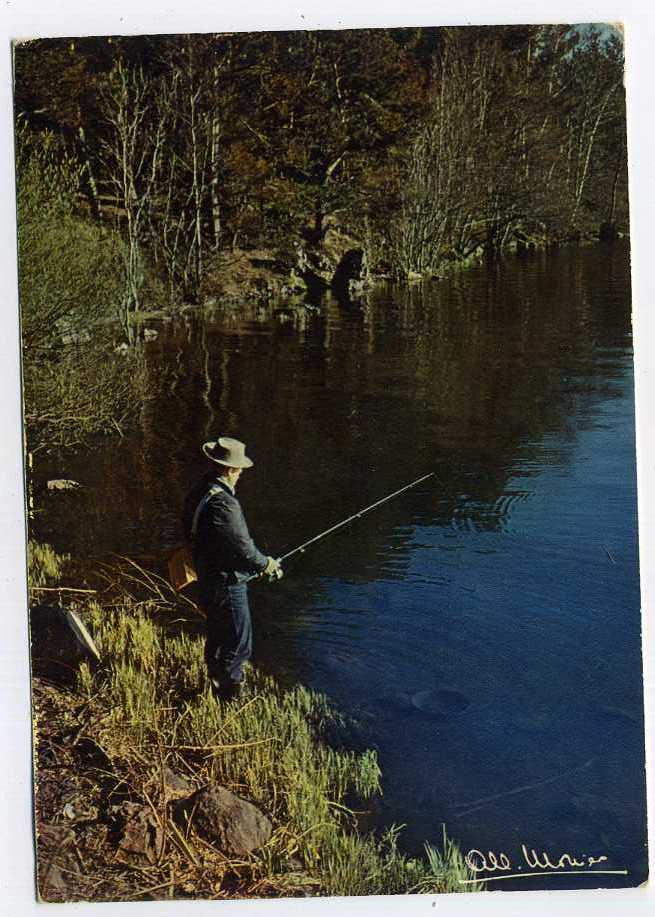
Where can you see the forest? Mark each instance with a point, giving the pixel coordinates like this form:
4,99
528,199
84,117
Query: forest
423,146
159,171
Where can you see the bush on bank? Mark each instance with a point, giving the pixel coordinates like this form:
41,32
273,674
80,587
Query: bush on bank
70,279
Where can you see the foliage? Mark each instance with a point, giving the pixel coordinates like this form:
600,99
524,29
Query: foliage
518,116
449,864
80,391
70,285
69,268
428,145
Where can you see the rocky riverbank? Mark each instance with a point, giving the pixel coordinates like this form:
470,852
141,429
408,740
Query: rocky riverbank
147,788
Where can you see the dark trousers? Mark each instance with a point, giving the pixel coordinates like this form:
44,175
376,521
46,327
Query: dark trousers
229,635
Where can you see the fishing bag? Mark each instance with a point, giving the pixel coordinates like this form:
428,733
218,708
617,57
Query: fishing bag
181,569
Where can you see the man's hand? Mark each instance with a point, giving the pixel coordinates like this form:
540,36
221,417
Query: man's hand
273,569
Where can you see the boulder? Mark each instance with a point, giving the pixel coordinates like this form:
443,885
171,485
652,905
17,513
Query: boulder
333,260
59,641
142,837
348,277
232,824
235,275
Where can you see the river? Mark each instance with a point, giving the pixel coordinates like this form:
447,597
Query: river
483,630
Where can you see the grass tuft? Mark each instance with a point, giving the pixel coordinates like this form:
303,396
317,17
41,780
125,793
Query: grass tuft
44,566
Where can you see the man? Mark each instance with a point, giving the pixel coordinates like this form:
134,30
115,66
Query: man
225,557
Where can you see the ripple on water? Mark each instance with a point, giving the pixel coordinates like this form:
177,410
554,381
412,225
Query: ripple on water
475,516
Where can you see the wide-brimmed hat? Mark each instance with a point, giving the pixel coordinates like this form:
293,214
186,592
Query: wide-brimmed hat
227,451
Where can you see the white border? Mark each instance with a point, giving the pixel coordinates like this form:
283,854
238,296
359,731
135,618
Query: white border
32,18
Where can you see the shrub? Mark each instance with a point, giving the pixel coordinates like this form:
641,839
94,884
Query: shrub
70,272
70,279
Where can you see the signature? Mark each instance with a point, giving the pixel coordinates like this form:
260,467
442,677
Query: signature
491,866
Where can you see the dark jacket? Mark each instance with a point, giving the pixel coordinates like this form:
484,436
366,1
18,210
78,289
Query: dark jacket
223,551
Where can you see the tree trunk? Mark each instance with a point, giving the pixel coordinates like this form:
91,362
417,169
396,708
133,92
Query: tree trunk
214,160
93,187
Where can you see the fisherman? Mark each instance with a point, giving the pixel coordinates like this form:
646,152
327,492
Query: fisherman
225,557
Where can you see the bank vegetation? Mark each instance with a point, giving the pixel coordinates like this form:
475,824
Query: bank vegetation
120,740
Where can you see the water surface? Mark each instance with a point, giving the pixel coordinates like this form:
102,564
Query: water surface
482,630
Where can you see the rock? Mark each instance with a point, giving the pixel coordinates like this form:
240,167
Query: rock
56,864
77,811
333,259
70,810
142,837
57,648
232,824
348,277
62,484
175,787
235,275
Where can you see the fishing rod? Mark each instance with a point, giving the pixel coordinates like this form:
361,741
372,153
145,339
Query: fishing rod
358,515
180,563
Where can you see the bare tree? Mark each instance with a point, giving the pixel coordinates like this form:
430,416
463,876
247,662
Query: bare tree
596,88
187,186
132,159
508,149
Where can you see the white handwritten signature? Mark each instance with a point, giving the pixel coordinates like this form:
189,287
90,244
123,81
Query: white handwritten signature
531,863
